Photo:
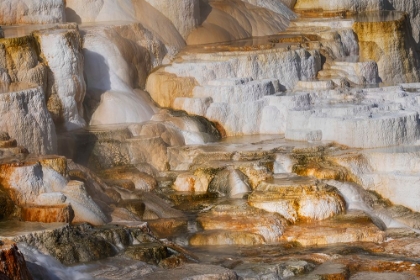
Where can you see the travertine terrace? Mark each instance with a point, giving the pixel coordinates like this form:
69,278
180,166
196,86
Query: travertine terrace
210,139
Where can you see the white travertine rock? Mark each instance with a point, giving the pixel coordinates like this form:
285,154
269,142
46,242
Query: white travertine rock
26,182
248,92
230,20
279,107
51,199
230,81
33,184
250,122
397,62
26,118
318,84
118,59
376,130
190,183
193,106
336,39
237,119
121,107
361,73
62,51
127,51
234,91
304,135
386,117
296,197
31,12
184,14
391,172
236,107
272,121
261,64
394,159
52,180
176,19
230,69
396,187
153,18
85,209
283,164
412,8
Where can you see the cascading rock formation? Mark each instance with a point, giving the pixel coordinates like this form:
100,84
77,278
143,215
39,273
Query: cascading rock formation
210,139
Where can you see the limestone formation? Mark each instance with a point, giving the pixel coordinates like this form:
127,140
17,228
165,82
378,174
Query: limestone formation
31,12
397,60
66,86
224,225
232,20
410,7
273,138
34,187
218,77
297,200
23,106
387,172
118,59
336,231
20,63
185,15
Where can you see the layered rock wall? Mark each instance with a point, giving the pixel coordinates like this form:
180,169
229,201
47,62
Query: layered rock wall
231,20
26,118
19,62
411,7
390,45
117,60
31,12
53,60
184,14
61,51
45,195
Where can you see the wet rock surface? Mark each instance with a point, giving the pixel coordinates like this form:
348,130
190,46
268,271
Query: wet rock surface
291,154
13,265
